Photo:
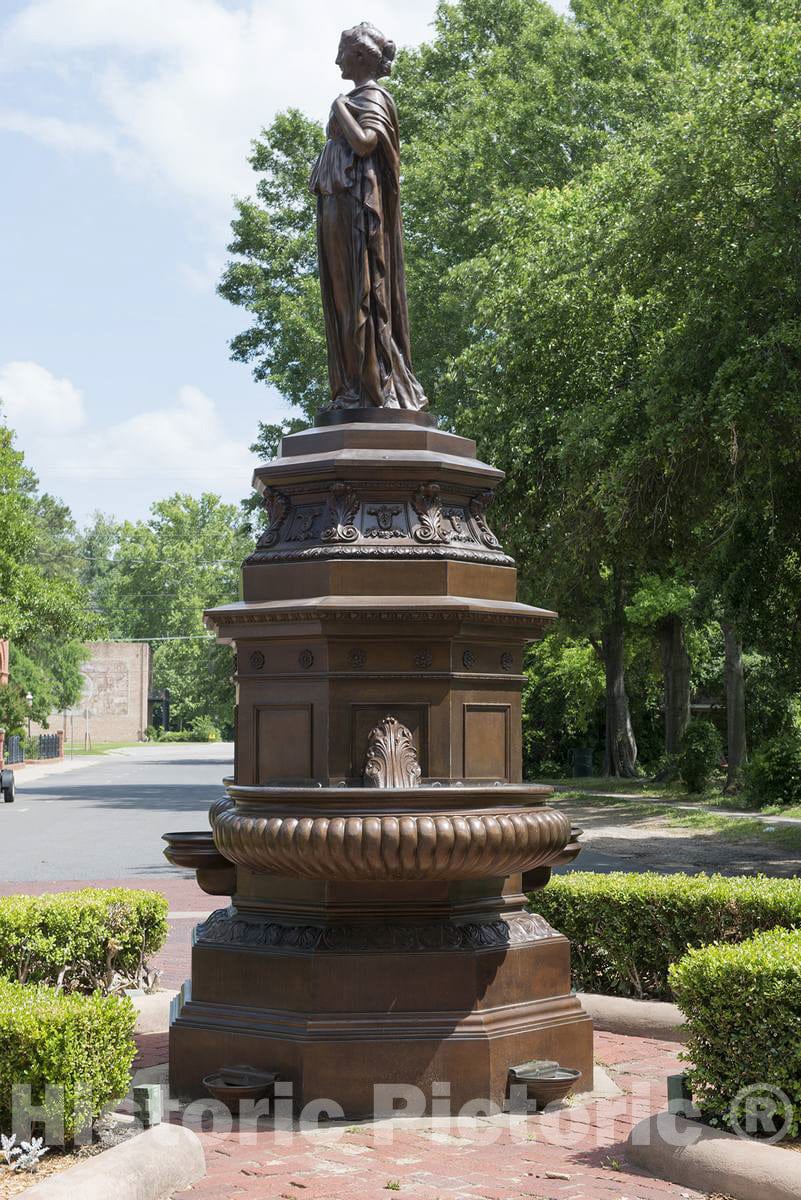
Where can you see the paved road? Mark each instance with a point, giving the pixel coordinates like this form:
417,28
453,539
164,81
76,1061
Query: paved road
105,821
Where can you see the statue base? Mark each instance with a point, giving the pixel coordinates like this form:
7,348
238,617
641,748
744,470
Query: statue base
375,832
342,1009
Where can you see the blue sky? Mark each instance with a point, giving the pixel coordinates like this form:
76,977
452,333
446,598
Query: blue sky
124,130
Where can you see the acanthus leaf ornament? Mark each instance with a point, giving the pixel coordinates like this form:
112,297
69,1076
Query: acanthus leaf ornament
391,760
276,506
428,506
478,507
343,505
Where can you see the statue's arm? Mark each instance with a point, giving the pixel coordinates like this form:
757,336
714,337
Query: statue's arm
361,141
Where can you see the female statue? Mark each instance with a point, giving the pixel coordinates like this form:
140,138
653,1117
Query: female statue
360,236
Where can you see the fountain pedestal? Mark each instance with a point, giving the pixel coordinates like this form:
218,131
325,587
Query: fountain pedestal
377,824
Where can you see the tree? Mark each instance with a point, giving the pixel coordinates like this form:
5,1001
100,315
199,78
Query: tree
603,291
164,573
43,609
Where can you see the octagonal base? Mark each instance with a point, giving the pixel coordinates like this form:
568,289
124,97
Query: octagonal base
339,1010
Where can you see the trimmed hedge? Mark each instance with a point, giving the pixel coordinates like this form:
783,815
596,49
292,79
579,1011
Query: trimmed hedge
627,929
743,1009
83,1044
81,941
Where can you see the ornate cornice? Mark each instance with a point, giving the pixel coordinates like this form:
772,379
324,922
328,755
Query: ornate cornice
225,928
376,519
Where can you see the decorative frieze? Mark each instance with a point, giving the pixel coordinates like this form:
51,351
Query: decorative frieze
225,928
353,522
276,505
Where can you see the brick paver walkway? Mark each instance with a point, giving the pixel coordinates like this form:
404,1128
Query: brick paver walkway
575,1153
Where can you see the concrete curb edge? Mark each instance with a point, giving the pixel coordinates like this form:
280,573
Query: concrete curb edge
150,1166
710,1161
634,1018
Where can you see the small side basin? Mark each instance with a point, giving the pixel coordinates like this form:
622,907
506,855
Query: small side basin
193,850
546,1082
235,1085
196,851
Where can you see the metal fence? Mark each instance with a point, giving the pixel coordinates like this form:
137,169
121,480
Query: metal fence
13,751
17,748
48,745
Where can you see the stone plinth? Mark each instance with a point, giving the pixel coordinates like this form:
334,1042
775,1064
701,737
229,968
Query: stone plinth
379,934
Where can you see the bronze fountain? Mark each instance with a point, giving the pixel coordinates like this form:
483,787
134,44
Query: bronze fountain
376,840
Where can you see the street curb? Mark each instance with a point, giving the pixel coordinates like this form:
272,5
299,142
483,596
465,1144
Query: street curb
37,769
635,1018
150,1166
710,1161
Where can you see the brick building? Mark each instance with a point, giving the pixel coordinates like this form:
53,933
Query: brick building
114,704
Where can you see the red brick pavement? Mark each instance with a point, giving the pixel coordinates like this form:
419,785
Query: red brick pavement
526,1159
478,1161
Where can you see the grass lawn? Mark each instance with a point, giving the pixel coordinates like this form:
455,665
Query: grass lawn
76,750
733,829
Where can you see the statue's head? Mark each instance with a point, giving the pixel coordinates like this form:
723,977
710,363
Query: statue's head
363,50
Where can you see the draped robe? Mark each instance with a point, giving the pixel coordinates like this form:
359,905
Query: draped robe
360,246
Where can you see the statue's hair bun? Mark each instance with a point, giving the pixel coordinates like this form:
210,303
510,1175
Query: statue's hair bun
373,39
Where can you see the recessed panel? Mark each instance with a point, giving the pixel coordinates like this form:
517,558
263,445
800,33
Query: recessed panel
284,743
486,741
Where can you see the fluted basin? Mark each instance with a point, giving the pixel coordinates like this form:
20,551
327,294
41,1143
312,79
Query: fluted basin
428,832
195,851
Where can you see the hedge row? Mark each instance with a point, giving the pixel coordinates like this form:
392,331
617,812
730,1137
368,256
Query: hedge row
81,1044
82,941
743,1009
626,930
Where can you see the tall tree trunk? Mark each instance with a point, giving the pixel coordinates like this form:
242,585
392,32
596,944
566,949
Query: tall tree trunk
735,705
620,751
676,673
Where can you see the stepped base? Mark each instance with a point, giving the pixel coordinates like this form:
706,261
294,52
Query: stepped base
338,1011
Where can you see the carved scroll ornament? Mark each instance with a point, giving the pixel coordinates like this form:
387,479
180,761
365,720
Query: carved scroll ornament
343,504
428,506
276,506
478,507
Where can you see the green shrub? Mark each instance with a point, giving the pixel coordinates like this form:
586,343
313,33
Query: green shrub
743,1009
626,930
773,776
201,730
83,1044
699,754
80,941
204,730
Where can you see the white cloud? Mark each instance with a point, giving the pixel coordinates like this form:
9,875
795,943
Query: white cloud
122,467
184,86
31,399
59,134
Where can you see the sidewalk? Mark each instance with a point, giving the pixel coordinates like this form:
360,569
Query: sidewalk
46,768
679,805
577,1151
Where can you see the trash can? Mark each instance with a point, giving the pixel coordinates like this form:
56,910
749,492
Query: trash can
581,758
